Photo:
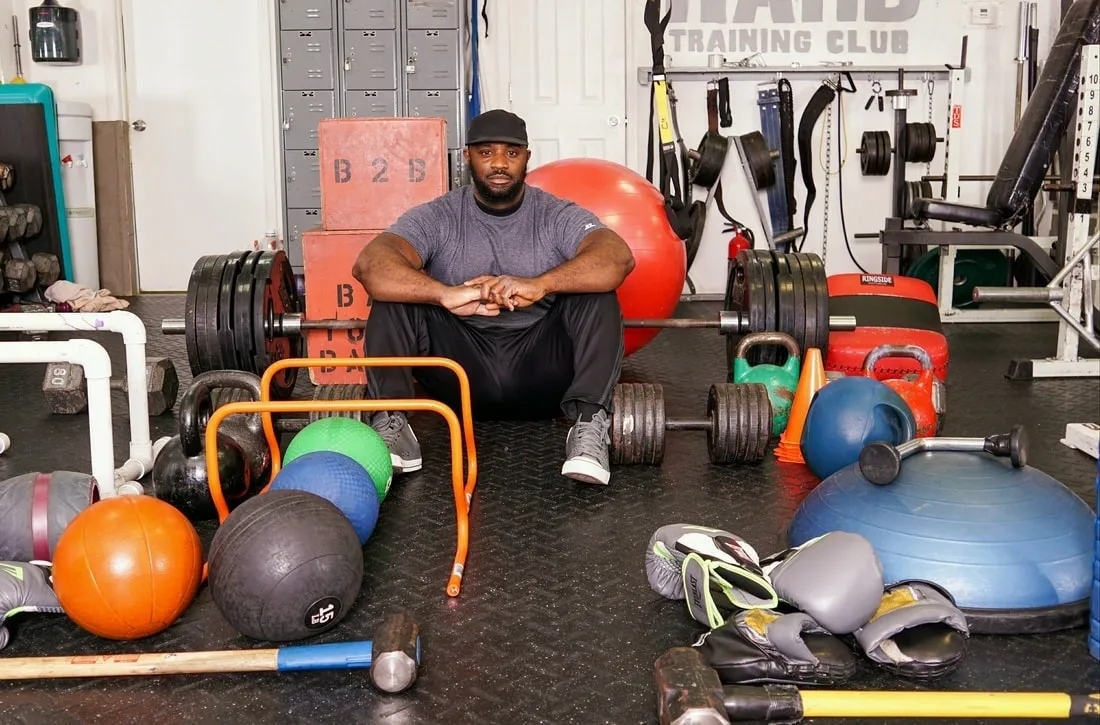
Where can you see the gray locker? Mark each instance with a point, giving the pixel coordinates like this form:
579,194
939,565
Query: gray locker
433,55
370,14
298,221
307,59
370,104
370,59
303,179
301,112
305,14
437,104
431,13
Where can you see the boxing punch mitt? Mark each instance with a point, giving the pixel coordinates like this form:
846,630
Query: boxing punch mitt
24,588
835,578
917,631
716,572
766,647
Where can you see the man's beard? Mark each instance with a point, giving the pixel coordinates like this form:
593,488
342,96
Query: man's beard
500,195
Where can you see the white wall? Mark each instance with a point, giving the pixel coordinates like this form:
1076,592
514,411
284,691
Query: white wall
934,33
98,80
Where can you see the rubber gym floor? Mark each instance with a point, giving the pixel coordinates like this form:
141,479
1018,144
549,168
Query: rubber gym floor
555,622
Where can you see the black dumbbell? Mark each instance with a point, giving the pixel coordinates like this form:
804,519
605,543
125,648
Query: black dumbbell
66,390
880,462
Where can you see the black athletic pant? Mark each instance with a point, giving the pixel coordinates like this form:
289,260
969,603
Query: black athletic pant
566,362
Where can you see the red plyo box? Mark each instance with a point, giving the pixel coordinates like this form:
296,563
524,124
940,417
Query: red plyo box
333,293
375,169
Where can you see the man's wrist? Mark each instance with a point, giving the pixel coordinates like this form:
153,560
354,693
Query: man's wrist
546,282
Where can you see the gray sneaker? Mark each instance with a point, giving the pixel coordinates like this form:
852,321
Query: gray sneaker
586,450
400,439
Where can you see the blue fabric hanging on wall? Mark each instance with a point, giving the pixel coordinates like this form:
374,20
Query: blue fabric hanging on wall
473,101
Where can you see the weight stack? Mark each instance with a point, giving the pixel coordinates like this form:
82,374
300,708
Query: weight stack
1094,611
29,142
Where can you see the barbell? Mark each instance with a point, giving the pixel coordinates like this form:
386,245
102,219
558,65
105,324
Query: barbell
243,311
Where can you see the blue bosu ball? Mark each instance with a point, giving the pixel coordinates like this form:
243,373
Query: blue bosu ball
1013,546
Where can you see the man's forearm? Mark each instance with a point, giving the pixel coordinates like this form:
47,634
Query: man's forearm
388,277
601,267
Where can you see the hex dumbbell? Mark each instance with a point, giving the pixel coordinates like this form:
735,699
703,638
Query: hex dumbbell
66,390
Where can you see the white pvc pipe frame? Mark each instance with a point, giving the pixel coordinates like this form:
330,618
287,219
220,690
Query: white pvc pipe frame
90,355
133,334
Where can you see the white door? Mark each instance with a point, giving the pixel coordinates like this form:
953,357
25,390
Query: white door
566,73
201,129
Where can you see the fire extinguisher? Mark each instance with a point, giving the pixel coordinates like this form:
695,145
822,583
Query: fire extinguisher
742,239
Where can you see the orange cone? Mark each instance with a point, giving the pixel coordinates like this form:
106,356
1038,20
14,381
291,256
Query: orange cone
810,381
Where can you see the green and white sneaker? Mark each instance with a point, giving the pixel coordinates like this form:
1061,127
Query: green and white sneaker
587,456
399,438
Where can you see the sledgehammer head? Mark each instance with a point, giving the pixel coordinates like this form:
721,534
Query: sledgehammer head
688,692
395,653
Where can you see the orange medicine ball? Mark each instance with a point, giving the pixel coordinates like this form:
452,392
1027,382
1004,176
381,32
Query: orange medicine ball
127,567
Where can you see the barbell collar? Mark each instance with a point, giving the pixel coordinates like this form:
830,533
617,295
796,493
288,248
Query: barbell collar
842,323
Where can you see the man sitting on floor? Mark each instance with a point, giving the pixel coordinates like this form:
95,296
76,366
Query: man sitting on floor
514,284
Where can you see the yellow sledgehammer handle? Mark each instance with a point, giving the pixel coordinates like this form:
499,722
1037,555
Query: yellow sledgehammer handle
854,703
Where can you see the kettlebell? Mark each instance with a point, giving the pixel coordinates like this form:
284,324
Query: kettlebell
246,430
180,474
780,380
847,414
919,393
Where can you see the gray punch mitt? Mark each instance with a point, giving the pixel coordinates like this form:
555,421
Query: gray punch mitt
24,588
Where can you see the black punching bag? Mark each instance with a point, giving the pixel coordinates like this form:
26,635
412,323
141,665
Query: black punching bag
55,33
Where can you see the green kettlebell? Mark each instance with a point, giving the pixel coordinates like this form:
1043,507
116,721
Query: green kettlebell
780,380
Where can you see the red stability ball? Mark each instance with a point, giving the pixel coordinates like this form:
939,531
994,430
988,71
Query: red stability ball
628,203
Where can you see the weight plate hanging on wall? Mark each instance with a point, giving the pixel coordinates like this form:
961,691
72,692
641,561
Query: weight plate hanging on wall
874,153
920,145
707,161
760,159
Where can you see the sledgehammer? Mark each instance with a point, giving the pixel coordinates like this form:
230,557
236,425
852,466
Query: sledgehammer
393,657
689,693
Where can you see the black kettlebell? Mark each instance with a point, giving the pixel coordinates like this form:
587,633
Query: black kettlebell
246,430
179,471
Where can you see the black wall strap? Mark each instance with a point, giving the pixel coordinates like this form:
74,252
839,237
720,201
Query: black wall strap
786,151
724,104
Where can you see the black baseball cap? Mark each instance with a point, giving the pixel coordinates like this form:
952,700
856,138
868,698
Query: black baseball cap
497,126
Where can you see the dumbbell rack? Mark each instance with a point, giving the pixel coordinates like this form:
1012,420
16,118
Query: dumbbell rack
41,269
130,326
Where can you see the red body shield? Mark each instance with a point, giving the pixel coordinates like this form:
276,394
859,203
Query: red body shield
889,310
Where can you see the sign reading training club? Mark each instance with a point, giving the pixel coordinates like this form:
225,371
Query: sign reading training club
852,28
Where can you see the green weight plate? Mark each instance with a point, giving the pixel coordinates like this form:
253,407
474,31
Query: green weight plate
193,301
207,322
273,295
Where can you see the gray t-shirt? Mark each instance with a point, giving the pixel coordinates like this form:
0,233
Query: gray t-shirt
458,240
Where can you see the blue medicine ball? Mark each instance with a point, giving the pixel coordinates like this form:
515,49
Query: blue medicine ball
339,479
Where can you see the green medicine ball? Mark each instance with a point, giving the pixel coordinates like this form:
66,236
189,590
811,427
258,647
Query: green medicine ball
354,439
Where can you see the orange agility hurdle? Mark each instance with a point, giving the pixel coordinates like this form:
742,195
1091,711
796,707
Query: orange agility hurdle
463,492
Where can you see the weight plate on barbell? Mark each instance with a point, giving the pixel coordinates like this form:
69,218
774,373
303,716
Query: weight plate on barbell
275,294
637,424
740,415
227,300
241,330
798,300
817,300
785,303
340,391
809,295
766,354
209,320
190,314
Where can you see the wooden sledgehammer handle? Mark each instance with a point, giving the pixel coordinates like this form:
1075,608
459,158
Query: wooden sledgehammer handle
122,665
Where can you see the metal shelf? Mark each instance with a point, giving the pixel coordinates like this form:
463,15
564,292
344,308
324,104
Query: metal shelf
645,72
